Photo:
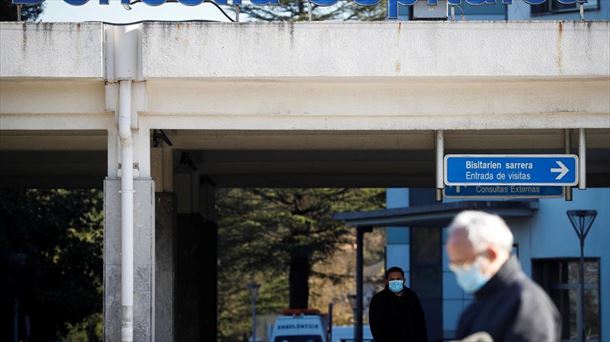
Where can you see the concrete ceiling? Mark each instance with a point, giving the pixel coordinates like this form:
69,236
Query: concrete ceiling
282,159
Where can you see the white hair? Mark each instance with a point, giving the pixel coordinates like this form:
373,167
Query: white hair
483,229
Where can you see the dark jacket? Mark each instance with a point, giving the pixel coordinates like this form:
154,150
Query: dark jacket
397,319
511,308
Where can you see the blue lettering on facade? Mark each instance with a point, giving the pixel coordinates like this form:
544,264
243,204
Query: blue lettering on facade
392,4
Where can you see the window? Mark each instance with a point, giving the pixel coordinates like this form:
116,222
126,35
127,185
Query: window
559,277
554,6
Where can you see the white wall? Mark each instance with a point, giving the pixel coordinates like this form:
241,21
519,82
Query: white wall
47,50
383,49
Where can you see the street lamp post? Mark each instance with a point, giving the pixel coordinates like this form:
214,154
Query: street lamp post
253,287
581,221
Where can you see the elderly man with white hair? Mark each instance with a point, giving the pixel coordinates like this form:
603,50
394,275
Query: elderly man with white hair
508,305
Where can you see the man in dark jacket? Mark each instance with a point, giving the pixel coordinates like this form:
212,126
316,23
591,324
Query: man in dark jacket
395,314
508,305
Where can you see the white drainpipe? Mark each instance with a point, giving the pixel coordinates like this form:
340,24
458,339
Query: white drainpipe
127,191
440,159
582,159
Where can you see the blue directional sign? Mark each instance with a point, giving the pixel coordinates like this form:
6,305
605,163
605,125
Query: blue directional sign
516,169
502,191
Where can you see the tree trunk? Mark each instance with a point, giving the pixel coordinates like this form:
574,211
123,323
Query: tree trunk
298,279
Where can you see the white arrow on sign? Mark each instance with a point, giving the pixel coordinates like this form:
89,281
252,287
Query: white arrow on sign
562,169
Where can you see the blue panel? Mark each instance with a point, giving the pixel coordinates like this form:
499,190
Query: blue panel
503,191
451,289
398,255
451,313
511,169
396,235
445,260
397,198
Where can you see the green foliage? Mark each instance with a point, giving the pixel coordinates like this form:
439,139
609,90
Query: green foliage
89,329
290,10
273,224
8,11
60,233
262,230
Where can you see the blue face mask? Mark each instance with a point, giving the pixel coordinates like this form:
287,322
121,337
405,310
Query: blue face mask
469,277
395,285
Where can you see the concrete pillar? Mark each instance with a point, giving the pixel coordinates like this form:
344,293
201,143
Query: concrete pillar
144,260
165,259
165,245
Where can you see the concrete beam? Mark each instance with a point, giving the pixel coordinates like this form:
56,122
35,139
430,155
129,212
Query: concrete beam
51,50
378,122
382,49
52,96
373,104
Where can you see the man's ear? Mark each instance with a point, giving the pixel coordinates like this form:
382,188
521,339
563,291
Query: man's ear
492,254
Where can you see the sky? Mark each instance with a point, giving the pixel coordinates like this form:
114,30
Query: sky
59,11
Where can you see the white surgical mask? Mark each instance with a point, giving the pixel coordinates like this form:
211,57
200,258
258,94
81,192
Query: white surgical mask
469,277
395,285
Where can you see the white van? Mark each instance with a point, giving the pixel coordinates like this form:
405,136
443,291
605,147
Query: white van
345,333
299,328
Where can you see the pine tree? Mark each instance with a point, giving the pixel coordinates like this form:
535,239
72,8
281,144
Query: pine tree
286,231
